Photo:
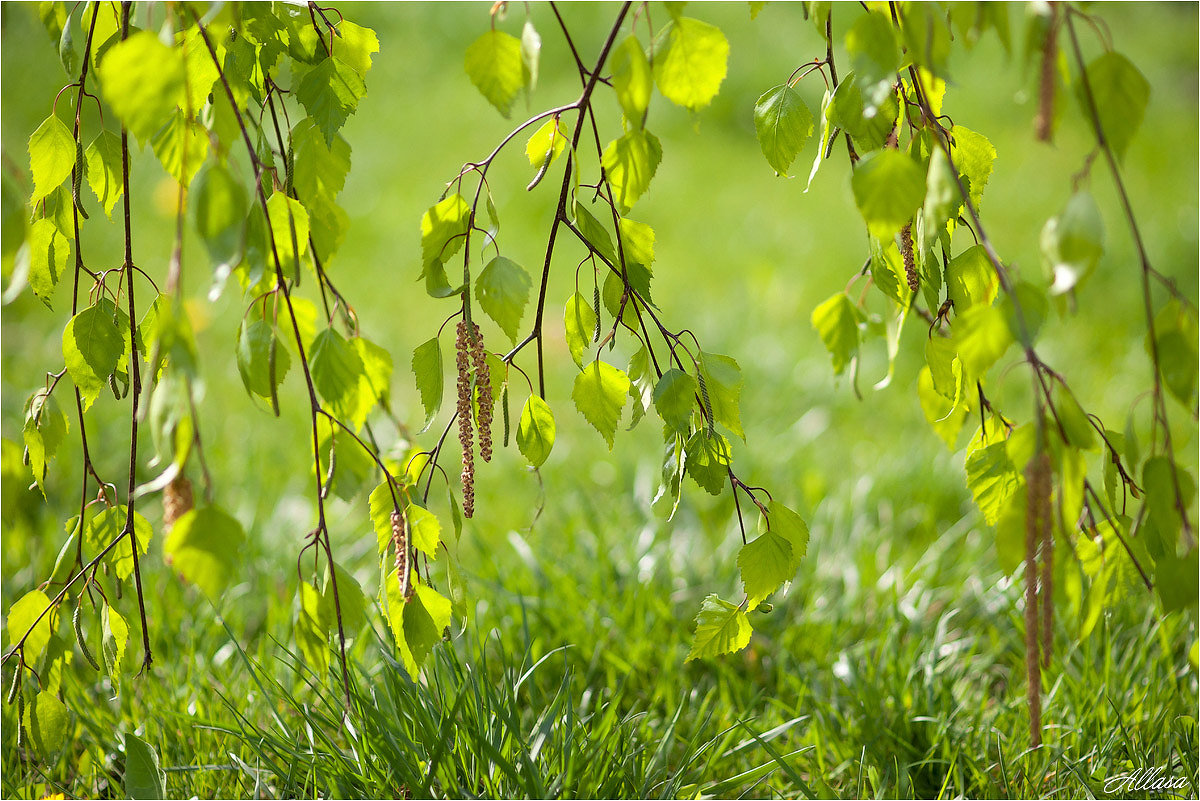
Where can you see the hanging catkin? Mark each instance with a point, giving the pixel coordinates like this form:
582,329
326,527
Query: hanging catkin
403,563
462,361
1044,122
910,263
483,394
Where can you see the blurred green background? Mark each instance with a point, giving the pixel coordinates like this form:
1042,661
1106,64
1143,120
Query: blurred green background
577,556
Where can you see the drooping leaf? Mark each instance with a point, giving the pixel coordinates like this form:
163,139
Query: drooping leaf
1073,242
46,721
219,210
579,322
675,397
708,457
257,342
723,385
355,45
181,146
45,429
105,527
874,55
721,628
312,628
351,599
418,623
494,65
143,776
103,158
442,230
143,80
992,479
974,156
971,280
320,165
632,79
330,92
92,346
600,394
981,335
764,564
789,525
115,637
502,290
425,532
1176,334
51,157
289,228
48,254
203,547
338,373
888,187
536,430
427,367
531,50
690,69
836,320
630,163
783,123
21,617
637,243
1121,94
548,141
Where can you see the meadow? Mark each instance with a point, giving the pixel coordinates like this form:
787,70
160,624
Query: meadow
892,666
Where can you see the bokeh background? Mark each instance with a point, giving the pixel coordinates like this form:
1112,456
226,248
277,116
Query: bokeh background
577,556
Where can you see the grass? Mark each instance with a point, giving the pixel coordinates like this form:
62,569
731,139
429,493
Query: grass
893,664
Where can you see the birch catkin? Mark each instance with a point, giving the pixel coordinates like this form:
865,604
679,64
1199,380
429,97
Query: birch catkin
462,361
1044,122
403,563
483,394
910,263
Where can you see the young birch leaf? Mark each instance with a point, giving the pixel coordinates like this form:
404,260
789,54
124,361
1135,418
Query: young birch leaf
46,722
103,157
1073,242
105,527
579,321
888,188
48,253
21,617
637,241
51,157
312,628
1176,335
708,457
721,628
783,124
380,507
289,228
417,623
143,80
632,80
992,479
203,547
836,320
337,372
494,65
531,50
981,336
425,531
320,167
181,146
219,211
595,233
548,141
690,71
427,367
377,370
792,528
1121,94
600,393
355,46
45,429
350,597
974,157
143,777
535,431
502,290
255,343
116,636
971,279
630,163
330,93
92,347
442,230
764,564
723,381
642,381
674,397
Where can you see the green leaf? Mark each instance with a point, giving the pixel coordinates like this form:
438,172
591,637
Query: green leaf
48,252
1175,580
1073,242
143,777
21,616
338,374
203,547
45,429
381,505
219,211
632,79
427,367
320,167
642,381
92,347
764,564
351,598
142,80
1160,479
630,163
974,156
442,230
535,431
708,458
637,243
888,187
600,393
418,623
1176,336
116,636
105,527
721,628
51,157
945,415
531,49
330,93
942,196
723,382
377,370
355,45
425,532
579,321
181,146
494,65
502,290
1074,420
596,234
971,280
992,479
46,722
836,320
689,71
674,397
791,527
312,628
289,228
103,158
981,336
256,342
1121,94
874,56
783,124
549,140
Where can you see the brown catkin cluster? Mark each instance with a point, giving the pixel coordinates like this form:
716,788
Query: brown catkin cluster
462,359
910,263
483,394
1044,122
1037,532
403,567
176,500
